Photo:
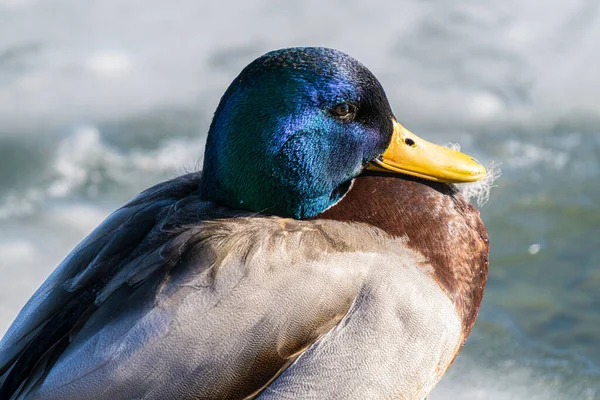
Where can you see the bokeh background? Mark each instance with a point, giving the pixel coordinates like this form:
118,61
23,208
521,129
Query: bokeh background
100,99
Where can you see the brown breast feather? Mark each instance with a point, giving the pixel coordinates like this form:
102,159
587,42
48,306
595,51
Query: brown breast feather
439,223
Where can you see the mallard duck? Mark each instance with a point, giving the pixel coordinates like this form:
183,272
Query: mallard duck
302,262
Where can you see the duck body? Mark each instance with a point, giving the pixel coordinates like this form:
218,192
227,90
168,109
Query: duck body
180,294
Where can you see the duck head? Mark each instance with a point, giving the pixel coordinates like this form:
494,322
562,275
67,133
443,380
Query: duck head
298,125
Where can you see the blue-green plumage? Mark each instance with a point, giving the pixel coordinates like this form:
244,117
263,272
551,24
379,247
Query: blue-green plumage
276,147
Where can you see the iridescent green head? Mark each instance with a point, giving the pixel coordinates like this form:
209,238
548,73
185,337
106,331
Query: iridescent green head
293,130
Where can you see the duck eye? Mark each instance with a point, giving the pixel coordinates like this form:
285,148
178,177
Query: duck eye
344,111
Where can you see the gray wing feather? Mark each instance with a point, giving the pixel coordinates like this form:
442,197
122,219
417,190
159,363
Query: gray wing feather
173,297
66,298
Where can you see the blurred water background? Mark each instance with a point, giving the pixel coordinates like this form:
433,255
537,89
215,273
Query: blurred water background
100,99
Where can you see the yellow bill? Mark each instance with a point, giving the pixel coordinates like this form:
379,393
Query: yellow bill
409,154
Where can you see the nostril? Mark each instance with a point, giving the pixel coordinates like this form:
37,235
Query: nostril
409,142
